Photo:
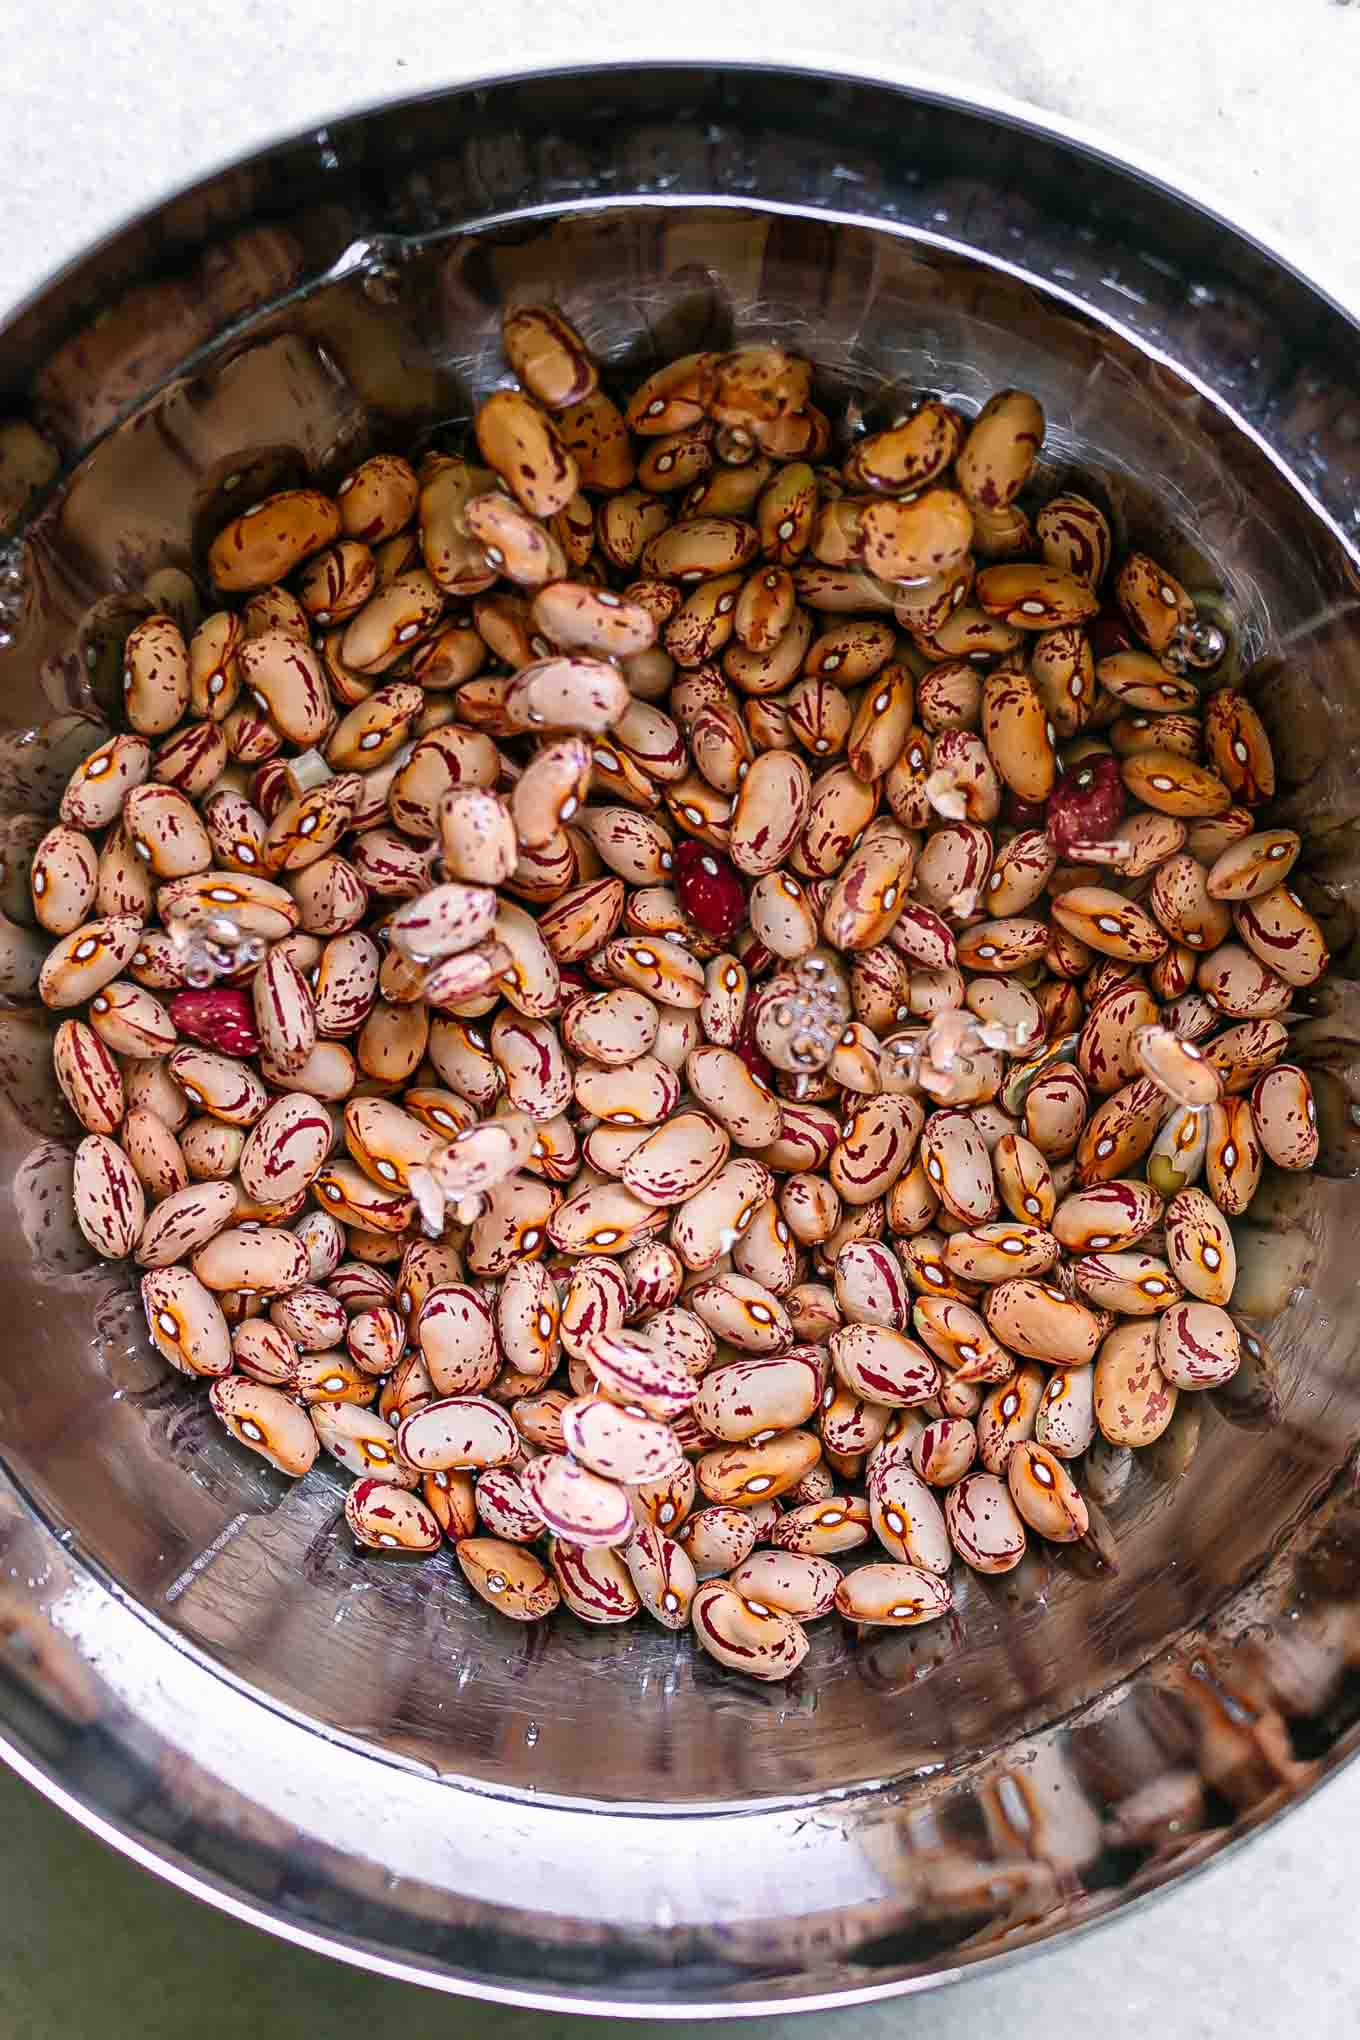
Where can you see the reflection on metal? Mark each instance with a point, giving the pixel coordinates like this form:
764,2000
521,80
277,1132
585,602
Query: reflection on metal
189,1656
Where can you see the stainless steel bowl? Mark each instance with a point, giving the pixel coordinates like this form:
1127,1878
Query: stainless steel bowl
345,1749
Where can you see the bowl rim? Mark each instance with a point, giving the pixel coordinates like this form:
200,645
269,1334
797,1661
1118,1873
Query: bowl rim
945,92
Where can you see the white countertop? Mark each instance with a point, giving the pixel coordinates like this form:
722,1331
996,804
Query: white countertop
1253,101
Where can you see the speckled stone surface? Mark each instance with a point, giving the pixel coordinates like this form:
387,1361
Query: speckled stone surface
1252,101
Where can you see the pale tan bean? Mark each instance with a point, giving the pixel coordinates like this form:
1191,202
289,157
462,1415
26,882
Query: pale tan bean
538,1418
708,1224
850,1427
1107,1048
1046,1495
259,1259
508,1577
1056,1108
524,447
503,1505
958,1166
314,1320
1066,1420
375,1339
654,1274
633,1368
741,1312
681,1336
596,1300
183,1221
1174,785
883,1366
1198,1346
1110,924
1199,1247
214,676
335,1378
945,1450
195,758
457,1433
124,884
1253,865
384,1517
618,1444
871,1287
149,1087
867,902
533,982
566,693
330,896
1114,1214
89,1077
892,1596
985,1527
583,919
386,1141
747,1635
676,1161
821,1529
185,1322
906,1517
740,1101
1024,1180
998,453
1007,1415
1241,1054
1038,1320
161,1162
220,1085
132,1021
1237,983
663,1575
1134,1402
87,959
1003,946
992,1253
406,1388
548,355
1279,930
62,879
454,1330
750,1399
874,1147
741,1474
265,544
266,1421
953,867
792,1582
266,1354
575,1503
666,1503
771,811
961,1340
110,1203
1233,1156
1130,1284
98,786
1120,1132
642,1093
477,834
811,1208
594,1582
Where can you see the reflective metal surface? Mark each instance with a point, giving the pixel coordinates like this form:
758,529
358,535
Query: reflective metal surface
348,1748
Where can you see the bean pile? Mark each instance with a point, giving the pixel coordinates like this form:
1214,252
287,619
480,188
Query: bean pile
681,1008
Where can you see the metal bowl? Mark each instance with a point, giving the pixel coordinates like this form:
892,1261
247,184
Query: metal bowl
347,1749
